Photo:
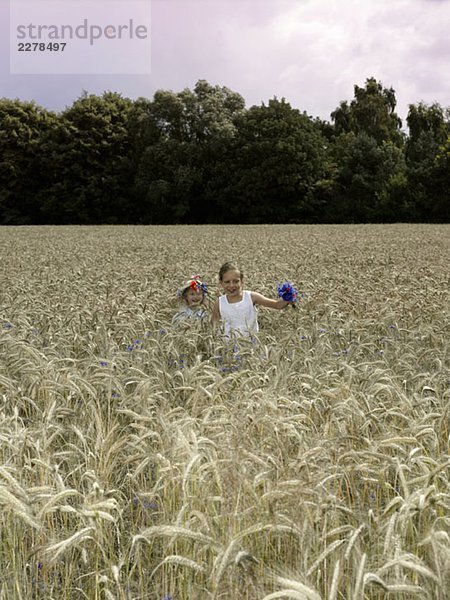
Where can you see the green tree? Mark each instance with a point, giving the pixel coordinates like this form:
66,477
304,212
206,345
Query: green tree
271,168
372,111
367,180
440,207
181,139
89,168
24,130
429,128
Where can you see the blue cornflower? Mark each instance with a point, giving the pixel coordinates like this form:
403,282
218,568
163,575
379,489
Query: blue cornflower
287,292
133,345
103,363
151,504
7,325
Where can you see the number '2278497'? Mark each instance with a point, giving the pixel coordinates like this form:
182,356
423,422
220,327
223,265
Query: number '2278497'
41,46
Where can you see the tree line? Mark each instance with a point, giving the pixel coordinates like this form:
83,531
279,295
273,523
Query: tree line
201,156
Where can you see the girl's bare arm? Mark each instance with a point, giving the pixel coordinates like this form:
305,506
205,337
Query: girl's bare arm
215,315
261,300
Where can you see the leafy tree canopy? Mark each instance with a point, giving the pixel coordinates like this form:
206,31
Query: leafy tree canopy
372,111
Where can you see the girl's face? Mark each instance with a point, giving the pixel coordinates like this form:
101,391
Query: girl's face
193,297
231,283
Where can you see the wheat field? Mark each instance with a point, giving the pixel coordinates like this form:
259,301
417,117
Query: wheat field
139,461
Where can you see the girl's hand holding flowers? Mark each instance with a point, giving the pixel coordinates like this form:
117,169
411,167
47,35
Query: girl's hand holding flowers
287,292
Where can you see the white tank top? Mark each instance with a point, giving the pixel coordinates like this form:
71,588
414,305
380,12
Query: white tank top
239,317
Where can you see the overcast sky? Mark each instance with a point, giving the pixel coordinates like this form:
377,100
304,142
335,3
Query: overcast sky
311,52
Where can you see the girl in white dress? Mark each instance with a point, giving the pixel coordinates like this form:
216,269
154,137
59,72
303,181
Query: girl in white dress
236,308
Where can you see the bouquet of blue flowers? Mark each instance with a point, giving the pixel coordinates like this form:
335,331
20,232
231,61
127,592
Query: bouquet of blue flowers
287,292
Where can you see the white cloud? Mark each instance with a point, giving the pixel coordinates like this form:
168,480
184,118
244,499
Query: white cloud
312,52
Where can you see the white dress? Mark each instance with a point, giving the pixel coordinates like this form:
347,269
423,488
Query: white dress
239,318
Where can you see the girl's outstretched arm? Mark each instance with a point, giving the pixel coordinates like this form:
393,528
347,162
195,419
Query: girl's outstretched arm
261,300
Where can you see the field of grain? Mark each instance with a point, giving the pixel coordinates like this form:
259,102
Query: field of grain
138,461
